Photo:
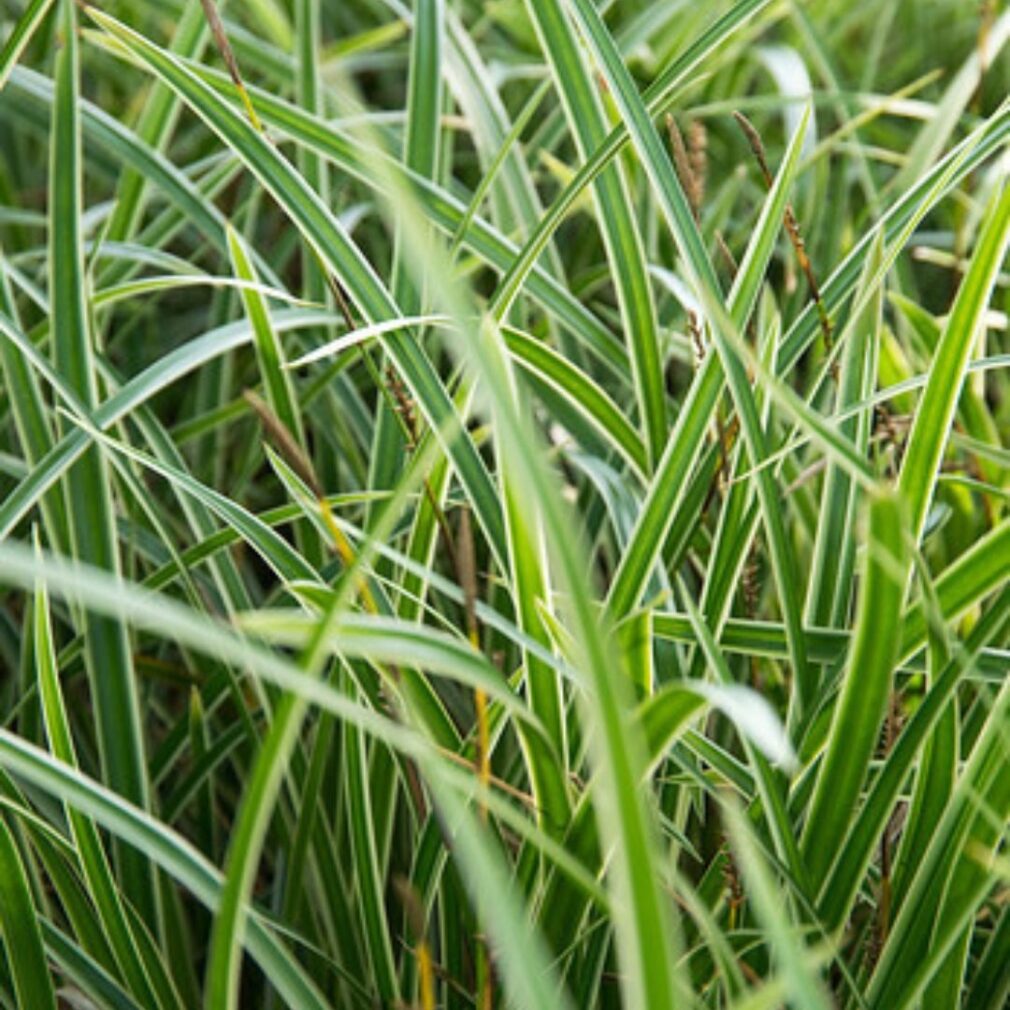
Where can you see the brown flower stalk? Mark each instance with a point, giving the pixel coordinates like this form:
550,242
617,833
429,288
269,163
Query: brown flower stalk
293,454
734,886
224,48
792,227
418,928
690,182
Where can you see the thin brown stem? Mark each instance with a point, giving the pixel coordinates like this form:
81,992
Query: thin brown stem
224,48
792,228
685,170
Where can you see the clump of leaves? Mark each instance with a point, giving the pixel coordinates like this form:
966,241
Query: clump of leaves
504,505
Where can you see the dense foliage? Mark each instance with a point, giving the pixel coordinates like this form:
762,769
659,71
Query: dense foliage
504,504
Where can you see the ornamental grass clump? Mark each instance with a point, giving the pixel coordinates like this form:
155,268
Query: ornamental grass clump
504,505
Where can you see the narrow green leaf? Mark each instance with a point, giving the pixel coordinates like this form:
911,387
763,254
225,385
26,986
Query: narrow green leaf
338,252
21,35
953,877
931,427
365,856
87,840
677,213
280,394
828,591
22,939
799,979
865,688
620,232
169,849
90,507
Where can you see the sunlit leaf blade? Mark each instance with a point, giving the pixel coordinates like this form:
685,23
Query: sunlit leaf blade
930,429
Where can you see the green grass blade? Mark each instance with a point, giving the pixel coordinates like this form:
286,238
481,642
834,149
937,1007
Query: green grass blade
678,217
161,374
912,205
280,394
582,391
623,815
268,345
365,856
109,658
990,985
19,37
938,402
309,95
21,936
170,850
976,573
935,133
154,127
618,227
839,888
770,786
865,688
231,923
532,591
657,97
828,592
93,859
668,484
103,129
799,980
31,420
658,512
934,782
84,971
952,879
528,976
330,240
447,211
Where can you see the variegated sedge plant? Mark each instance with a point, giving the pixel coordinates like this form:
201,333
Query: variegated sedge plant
504,505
